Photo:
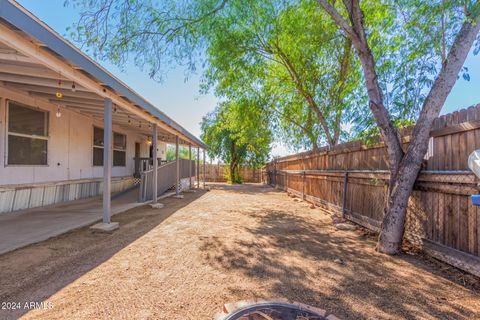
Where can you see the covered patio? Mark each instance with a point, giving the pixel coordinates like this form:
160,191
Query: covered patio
83,106
19,229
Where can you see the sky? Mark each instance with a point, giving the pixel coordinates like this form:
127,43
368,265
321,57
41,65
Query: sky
181,99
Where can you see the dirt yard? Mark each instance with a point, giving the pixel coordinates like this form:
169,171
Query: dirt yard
229,244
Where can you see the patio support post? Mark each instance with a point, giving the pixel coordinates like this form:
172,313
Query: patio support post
177,171
155,163
198,168
107,159
190,166
204,169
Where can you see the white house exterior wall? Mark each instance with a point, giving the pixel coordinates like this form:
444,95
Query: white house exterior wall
70,146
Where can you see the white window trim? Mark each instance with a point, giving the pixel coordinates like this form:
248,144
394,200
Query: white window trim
34,136
113,147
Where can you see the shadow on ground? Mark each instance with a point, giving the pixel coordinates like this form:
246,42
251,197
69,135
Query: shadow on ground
309,261
44,268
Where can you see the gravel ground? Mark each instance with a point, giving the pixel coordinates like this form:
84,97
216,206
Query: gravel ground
232,243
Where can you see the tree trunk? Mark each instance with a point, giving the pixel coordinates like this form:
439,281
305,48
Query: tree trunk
404,167
233,174
313,140
233,162
393,226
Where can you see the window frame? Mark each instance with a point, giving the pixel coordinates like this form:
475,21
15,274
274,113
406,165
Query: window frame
113,146
8,133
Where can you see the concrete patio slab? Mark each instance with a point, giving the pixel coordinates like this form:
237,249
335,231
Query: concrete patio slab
19,229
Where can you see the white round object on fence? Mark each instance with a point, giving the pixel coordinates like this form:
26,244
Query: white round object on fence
474,162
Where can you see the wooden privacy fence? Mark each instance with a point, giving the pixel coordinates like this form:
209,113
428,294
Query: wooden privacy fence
218,173
351,179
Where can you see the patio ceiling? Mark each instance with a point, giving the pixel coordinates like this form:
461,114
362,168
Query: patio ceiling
22,74
30,66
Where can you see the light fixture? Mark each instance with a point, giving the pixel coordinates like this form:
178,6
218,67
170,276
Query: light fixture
58,114
149,140
73,87
58,94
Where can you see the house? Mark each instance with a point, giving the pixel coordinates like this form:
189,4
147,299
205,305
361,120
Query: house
69,129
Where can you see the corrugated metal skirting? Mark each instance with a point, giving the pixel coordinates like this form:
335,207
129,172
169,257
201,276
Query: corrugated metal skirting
38,195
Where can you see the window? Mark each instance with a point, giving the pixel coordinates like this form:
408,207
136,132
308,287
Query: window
27,135
97,146
119,148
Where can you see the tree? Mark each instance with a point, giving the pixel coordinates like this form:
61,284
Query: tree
287,50
238,135
289,54
350,17
183,153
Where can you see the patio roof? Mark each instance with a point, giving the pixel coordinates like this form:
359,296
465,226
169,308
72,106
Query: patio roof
37,60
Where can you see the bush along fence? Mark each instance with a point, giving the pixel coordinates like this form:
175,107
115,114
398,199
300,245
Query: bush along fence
218,173
351,179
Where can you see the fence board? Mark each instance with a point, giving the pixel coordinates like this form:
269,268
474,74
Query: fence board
439,210
218,173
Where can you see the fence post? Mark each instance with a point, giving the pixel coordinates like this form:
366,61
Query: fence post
286,181
344,200
275,170
303,185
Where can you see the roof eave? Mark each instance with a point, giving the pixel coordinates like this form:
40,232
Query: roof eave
20,18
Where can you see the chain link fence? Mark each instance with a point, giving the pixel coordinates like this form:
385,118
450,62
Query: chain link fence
439,208
440,211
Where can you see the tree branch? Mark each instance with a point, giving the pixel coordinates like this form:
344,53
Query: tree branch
442,86
308,132
356,33
311,102
339,20
336,95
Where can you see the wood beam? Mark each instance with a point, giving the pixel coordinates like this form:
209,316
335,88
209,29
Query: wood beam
95,111
14,56
461,127
83,102
22,79
35,89
30,49
38,71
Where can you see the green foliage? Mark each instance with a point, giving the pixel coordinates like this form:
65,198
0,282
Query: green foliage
284,57
237,133
183,152
288,57
155,35
409,39
283,54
